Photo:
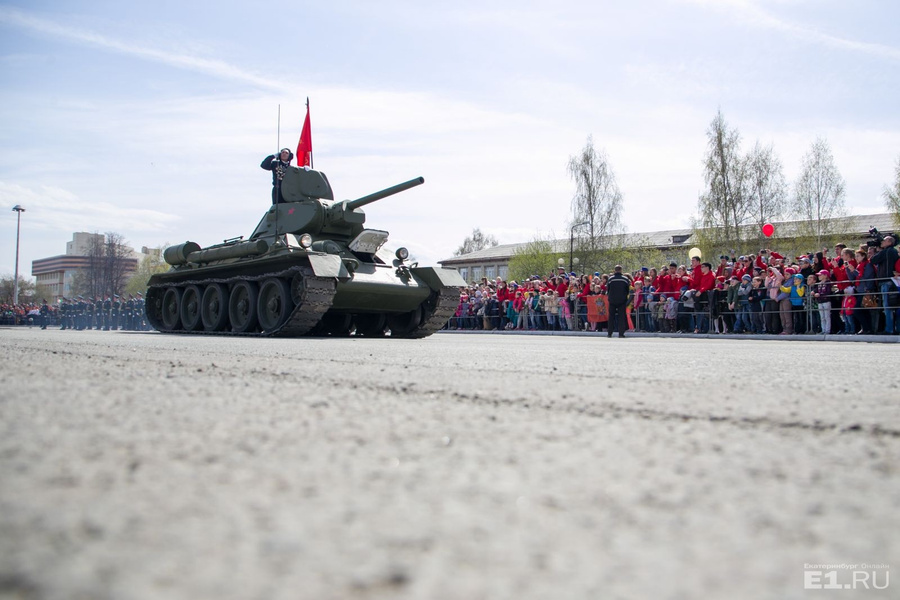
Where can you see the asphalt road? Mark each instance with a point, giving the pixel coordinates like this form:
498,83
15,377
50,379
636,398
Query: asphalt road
143,466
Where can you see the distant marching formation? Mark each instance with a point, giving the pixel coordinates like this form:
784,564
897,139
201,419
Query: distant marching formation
108,314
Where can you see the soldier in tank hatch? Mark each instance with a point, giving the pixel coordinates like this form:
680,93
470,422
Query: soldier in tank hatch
278,165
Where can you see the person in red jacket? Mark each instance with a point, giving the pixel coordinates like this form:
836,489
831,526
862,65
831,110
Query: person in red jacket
662,283
562,287
694,280
839,272
723,264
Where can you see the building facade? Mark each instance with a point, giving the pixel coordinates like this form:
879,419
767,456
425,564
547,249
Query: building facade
58,273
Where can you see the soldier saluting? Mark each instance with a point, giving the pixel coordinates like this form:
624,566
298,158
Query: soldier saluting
278,165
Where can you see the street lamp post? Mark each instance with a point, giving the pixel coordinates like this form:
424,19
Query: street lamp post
18,208
572,242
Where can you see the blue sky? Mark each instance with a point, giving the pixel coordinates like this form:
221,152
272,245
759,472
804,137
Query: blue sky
150,119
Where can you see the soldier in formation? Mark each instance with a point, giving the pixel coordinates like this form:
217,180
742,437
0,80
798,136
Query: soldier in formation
128,314
107,307
116,308
63,312
45,313
98,313
109,313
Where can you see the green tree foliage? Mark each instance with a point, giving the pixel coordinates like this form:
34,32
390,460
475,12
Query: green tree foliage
535,258
150,265
477,241
29,291
631,254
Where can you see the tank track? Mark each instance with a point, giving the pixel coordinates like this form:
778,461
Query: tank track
315,300
442,306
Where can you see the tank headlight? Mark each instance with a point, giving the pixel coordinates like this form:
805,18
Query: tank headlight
306,241
402,253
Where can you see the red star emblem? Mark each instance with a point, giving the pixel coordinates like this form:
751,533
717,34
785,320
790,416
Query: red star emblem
290,211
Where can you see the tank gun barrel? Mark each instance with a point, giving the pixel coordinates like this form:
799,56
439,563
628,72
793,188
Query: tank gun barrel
394,189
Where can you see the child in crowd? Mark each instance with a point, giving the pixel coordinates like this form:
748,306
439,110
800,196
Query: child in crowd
551,305
822,295
743,324
660,314
847,308
756,300
671,314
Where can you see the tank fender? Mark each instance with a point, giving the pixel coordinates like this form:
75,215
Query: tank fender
328,265
439,277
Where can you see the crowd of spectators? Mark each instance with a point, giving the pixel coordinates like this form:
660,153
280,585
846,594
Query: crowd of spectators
28,313
855,291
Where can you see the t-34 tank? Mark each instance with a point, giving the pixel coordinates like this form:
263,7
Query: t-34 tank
310,267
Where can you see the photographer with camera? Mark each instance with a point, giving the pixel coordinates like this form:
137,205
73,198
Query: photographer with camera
884,262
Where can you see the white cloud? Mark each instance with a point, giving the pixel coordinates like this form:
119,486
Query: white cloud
751,11
213,67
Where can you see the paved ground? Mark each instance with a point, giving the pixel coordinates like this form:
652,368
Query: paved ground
139,466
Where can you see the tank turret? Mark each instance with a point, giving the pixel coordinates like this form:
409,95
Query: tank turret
310,208
309,267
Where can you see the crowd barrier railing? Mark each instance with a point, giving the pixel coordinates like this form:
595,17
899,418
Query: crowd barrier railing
874,311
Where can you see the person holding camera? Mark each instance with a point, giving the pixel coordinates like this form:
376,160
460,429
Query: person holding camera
884,262
278,165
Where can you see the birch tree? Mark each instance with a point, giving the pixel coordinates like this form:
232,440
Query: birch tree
766,186
723,206
819,192
477,241
597,201
891,195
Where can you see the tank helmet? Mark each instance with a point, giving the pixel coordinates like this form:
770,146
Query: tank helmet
288,150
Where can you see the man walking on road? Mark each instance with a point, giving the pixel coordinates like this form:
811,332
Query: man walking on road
617,289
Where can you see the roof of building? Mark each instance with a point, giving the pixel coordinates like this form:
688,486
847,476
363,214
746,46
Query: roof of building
672,238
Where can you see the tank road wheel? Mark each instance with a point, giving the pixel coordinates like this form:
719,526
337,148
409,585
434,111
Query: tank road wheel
171,309
336,324
275,304
369,325
190,308
404,324
242,306
214,307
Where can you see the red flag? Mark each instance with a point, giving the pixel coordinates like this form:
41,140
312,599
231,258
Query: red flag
304,147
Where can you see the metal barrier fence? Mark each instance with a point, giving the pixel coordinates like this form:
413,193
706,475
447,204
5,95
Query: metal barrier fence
873,311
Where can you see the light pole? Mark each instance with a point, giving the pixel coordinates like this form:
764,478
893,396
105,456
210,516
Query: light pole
572,242
18,208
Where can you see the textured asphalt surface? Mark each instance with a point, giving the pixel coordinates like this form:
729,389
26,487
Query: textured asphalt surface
145,466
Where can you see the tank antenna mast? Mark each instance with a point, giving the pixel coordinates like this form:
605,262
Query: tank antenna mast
278,179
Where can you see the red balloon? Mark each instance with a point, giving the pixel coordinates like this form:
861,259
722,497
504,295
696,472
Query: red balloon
768,229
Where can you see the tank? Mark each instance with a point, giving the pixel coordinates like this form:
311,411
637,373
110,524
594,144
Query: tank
310,267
